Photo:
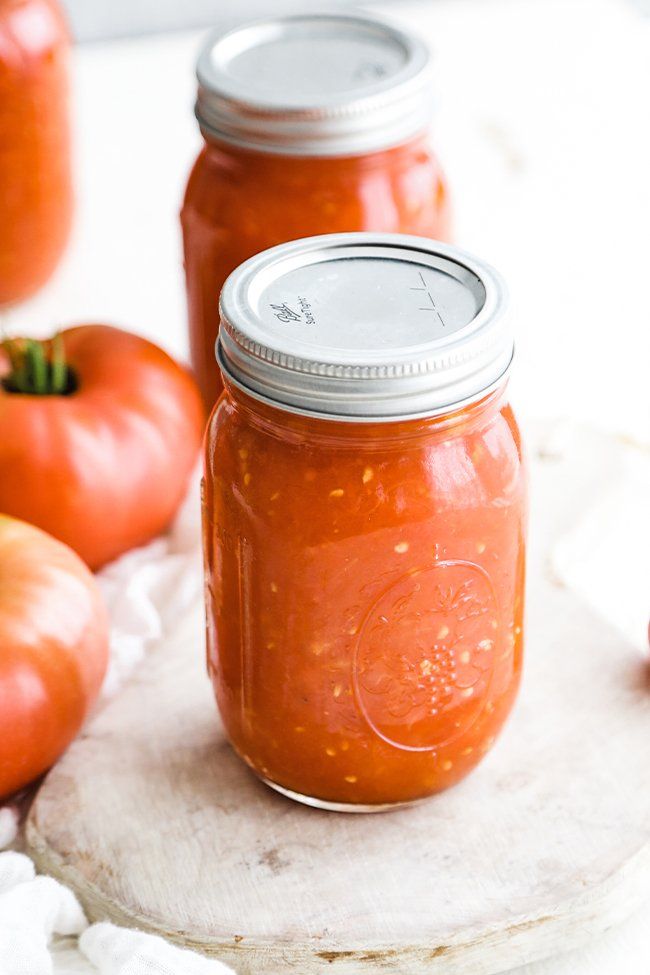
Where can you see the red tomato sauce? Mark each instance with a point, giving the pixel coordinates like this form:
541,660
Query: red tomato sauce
239,202
35,179
365,588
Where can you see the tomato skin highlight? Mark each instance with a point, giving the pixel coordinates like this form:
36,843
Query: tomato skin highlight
105,467
53,650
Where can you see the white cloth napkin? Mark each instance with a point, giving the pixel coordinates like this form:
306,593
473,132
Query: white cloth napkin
36,909
32,910
8,826
604,556
120,951
148,590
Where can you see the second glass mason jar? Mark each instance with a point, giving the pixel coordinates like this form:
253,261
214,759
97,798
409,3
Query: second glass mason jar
313,123
364,512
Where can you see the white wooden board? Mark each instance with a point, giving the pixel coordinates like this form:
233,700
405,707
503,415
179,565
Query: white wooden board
156,824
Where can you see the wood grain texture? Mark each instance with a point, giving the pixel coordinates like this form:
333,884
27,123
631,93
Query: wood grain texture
156,824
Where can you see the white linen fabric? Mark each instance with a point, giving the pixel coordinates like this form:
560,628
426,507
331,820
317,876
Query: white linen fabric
121,951
148,590
35,909
32,910
8,826
604,556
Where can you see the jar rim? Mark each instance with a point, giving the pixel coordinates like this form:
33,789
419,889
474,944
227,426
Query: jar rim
268,84
441,412
332,326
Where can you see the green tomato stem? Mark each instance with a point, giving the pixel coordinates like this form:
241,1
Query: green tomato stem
37,367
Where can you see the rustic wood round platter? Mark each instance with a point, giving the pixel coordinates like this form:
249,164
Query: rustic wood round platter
156,824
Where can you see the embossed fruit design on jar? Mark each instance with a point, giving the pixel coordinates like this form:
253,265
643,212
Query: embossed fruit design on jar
313,123
441,624
364,518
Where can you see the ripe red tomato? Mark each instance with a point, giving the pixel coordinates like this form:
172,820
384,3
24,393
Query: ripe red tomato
99,431
53,650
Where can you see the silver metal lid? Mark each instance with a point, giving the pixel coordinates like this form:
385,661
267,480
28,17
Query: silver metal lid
365,327
314,84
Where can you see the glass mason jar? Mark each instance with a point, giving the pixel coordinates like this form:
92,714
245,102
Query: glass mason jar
313,124
35,168
364,513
